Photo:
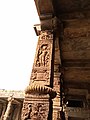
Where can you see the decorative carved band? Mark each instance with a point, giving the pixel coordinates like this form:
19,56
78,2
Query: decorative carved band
35,88
46,35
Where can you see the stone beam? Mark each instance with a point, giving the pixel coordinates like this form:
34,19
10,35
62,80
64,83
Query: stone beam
44,8
78,112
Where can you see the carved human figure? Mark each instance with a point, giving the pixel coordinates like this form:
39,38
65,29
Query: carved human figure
43,56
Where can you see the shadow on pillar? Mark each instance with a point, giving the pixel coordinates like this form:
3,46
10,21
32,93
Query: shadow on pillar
50,110
62,115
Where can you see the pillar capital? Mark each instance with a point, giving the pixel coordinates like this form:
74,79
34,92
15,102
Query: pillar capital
52,24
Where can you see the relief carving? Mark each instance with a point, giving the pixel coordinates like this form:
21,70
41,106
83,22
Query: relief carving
46,35
43,56
37,111
42,61
40,75
27,108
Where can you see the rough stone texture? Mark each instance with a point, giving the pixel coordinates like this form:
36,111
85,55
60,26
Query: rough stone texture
36,107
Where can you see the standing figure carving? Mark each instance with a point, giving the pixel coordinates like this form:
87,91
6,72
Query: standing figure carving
42,56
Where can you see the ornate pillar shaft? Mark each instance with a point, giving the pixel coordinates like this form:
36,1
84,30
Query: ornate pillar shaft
41,71
39,93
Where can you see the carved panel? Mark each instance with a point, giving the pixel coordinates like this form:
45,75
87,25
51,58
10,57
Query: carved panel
43,56
42,62
40,75
39,111
27,108
46,35
35,111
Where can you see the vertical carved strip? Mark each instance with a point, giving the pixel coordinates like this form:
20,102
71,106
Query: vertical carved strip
42,63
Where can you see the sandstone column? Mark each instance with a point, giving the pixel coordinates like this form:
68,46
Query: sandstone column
38,95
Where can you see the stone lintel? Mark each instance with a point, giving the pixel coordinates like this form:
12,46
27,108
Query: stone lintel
78,112
44,7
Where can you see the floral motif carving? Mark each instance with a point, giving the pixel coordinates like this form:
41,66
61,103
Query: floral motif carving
35,111
27,108
39,111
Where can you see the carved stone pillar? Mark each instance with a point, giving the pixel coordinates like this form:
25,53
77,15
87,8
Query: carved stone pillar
38,95
8,110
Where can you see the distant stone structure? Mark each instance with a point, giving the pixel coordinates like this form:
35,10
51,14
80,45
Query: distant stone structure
11,103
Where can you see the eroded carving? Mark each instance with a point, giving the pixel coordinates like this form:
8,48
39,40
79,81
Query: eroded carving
43,56
27,108
39,111
35,111
40,75
46,35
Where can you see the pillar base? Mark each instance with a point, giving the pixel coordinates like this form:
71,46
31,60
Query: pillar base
36,107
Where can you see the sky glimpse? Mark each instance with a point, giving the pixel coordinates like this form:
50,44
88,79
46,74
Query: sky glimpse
17,42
